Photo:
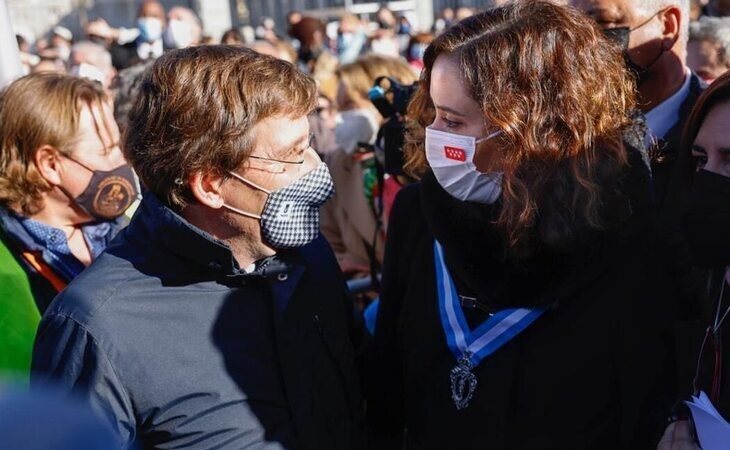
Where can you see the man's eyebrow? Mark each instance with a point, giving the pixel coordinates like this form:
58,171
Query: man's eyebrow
295,145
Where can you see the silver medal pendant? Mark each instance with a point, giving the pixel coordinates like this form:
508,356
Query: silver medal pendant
463,382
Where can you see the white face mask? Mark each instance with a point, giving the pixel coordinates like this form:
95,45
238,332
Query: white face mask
64,52
178,34
451,159
150,28
355,127
85,70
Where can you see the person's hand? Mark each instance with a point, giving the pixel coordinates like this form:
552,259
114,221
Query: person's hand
678,436
101,28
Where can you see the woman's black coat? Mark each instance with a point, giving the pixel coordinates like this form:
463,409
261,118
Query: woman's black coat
591,373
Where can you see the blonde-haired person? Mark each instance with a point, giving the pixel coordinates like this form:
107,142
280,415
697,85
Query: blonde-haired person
350,220
64,185
521,304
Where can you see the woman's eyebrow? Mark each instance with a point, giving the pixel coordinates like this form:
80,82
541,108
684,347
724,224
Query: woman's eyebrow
450,111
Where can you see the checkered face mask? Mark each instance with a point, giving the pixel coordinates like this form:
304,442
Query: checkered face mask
291,214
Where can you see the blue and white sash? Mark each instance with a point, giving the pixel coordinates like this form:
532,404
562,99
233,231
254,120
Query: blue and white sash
471,347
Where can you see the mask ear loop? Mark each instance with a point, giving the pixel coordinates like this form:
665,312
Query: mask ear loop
77,162
719,320
253,185
662,50
241,212
250,183
491,135
488,137
713,331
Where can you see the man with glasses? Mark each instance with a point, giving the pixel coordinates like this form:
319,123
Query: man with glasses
220,318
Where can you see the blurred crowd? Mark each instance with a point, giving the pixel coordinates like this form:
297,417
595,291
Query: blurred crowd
345,56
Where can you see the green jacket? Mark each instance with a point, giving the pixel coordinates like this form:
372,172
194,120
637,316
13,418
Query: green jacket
19,318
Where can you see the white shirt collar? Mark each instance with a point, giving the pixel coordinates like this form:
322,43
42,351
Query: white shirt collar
146,50
665,115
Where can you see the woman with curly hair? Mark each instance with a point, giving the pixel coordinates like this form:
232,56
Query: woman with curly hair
522,306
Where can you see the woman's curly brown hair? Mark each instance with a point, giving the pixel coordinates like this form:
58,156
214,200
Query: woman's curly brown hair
558,89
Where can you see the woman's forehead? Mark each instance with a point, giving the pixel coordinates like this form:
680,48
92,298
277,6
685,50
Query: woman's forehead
447,88
714,127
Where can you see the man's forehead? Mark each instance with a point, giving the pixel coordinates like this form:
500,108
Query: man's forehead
280,133
152,9
613,7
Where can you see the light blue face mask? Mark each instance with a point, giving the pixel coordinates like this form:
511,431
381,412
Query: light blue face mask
150,28
417,51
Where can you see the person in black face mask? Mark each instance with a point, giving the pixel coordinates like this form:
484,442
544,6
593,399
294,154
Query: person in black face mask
704,175
653,34
64,186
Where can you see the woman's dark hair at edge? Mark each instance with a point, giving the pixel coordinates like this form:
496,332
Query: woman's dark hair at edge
716,94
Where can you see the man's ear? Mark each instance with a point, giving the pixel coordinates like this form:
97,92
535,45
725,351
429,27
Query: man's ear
206,187
672,20
47,160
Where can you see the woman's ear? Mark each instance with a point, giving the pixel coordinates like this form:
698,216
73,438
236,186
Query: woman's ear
47,160
206,188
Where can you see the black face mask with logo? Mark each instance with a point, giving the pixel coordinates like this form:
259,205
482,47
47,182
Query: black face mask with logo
109,193
706,219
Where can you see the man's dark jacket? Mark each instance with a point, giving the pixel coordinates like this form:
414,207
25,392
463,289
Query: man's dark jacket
664,153
182,349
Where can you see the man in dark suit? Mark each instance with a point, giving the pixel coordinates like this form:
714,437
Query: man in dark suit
654,33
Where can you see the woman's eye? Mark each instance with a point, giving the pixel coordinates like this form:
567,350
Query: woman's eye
700,161
450,123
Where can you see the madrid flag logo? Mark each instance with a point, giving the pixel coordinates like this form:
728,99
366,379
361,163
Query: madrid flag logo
455,153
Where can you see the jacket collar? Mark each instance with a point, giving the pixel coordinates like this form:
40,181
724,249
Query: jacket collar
156,223
13,226
665,115
673,136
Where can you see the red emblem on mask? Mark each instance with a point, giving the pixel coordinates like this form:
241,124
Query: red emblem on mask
457,154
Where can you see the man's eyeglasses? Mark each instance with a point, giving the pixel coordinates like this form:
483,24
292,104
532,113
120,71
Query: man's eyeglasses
279,165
